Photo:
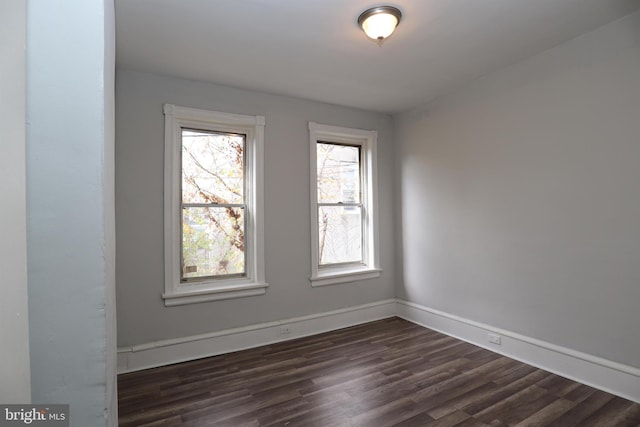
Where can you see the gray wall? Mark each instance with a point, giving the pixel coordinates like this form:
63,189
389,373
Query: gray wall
521,201
14,316
142,316
68,241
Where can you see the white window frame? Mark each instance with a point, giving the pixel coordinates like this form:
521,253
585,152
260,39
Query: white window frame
253,282
370,267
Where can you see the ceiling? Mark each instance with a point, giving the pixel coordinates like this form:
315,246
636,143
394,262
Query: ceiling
313,49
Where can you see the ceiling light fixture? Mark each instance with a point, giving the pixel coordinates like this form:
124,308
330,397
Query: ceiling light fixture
378,23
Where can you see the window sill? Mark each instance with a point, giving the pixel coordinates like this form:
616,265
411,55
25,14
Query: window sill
192,296
335,276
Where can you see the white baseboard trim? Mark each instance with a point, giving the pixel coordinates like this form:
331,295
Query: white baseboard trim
606,375
612,377
166,352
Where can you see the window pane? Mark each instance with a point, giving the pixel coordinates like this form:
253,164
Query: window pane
340,236
212,242
338,173
212,167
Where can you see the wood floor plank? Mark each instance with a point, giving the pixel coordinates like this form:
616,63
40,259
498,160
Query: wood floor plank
547,414
580,393
616,410
580,412
463,400
385,373
511,405
504,392
420,420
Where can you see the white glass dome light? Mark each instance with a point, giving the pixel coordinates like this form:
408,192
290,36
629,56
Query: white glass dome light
378,23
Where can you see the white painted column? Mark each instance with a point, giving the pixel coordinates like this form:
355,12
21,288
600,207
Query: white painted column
14,317
70,239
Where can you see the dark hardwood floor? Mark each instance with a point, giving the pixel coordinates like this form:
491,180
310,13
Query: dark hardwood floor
384,373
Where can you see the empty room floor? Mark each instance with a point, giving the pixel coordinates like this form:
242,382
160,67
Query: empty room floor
385,373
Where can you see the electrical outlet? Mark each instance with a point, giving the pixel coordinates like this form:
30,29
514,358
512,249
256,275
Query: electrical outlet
494,338
285,329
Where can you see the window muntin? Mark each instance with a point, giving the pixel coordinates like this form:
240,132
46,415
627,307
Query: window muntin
212,204
339,177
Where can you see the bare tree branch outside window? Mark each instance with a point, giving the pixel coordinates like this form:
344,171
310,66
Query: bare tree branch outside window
213,204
